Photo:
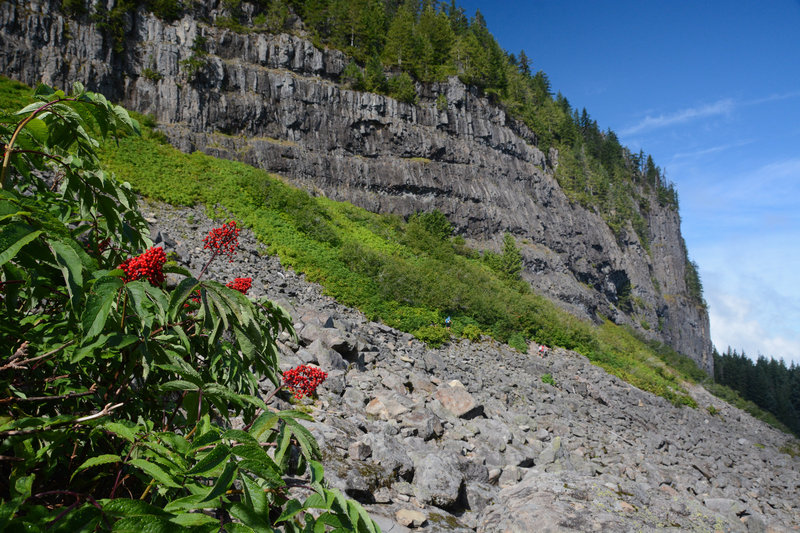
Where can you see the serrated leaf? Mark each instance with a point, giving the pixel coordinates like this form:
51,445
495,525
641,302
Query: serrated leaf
223,481
270,475
255,497
317,472
98,306
193,520
178,385
211,460
21,491
188,503
239,435
176,269
13,237
37,129
292,508
166,456
328,519
179,295
250,518
308,444
155,472
205,438
120,430
144,524
358,514
98,460
235,527
291,414
71,268
262,424
316,501
212,390
129,507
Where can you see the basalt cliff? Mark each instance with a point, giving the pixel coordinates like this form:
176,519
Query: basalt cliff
275,101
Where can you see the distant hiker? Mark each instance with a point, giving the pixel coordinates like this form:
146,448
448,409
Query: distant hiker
447,322
542,350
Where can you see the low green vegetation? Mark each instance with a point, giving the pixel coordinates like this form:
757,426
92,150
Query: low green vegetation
548,378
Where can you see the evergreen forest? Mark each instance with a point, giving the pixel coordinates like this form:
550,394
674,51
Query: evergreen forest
768,383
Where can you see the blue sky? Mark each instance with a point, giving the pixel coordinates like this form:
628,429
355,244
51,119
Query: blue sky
712,90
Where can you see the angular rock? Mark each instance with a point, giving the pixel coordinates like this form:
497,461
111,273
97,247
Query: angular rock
410,518
438,480
425,424
457,401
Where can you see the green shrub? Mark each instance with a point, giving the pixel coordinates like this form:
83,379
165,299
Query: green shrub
353,77
433,335
74,8
518,342
471,332
402,88
130,386
441,103
413,318
151,74
548,378
168,10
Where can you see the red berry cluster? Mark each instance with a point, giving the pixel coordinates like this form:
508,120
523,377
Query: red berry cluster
303,380
241,284
223,240
148,265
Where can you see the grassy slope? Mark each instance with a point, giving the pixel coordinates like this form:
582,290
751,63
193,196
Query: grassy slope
391,270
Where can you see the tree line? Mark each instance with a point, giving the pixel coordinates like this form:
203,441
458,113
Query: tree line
768,383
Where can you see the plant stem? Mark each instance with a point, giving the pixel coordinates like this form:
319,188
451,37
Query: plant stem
19,364
14,399
8,147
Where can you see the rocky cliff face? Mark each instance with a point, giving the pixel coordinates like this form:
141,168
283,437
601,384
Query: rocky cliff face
273,101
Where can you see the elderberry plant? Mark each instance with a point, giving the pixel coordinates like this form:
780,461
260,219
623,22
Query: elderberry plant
116,391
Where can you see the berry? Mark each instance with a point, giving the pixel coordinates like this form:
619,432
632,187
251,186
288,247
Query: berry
147,265
241,284
223,240
303,380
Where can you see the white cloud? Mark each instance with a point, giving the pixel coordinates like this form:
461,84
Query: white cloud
708,151
773,98
735,323
754,302
720,107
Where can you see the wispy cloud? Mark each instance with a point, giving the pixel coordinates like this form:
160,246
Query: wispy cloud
720,107
708,151
773,98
